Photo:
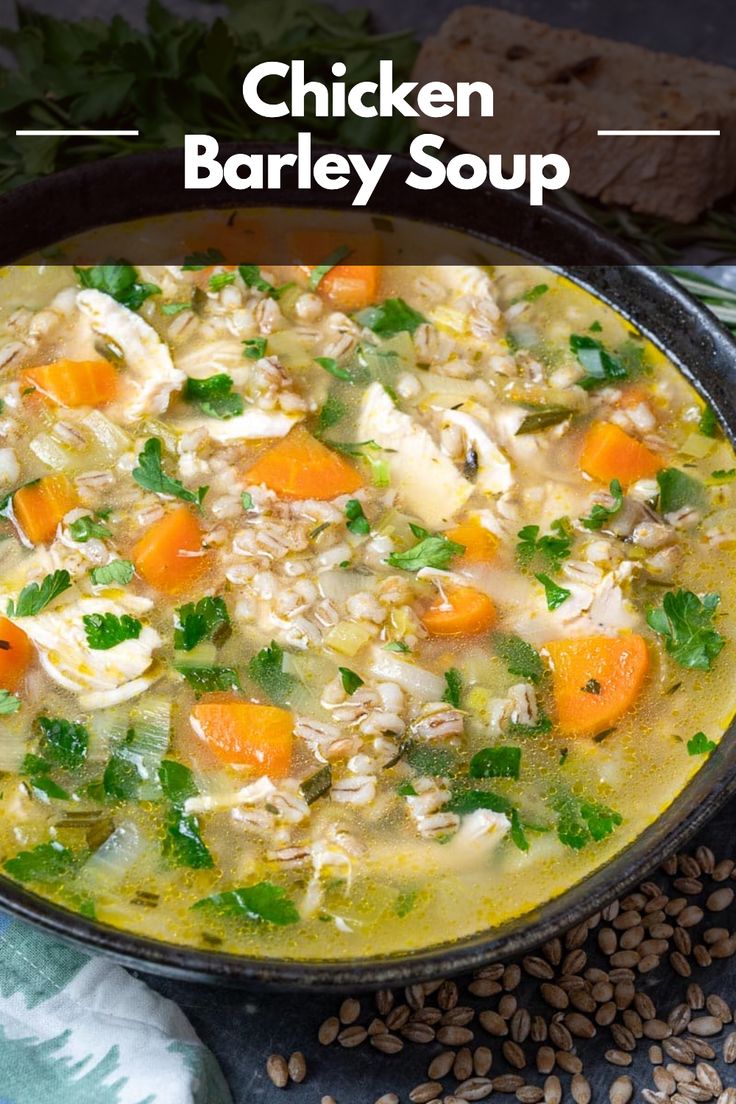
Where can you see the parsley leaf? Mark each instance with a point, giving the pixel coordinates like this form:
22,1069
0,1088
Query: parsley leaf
330,365
552,547
254,347
183,844
331,413
207,680
206,258
174,308
396,646
107,630
601,514
252,277
203,621
677,489
600,365
554,594
425,759
350,681
685,621
580,821
405,903
151,476
64,742
519,656
86,527
453,687
220,280
44,863
389,318
264,902
708,424
357,522
246,499
431,551
34,597
215,396
543,724
699,744
467,801
543,417
319,272
267,669
119,281
9,703
496,762
118,571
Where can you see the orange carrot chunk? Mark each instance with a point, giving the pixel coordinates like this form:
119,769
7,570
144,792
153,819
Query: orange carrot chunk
258,736
170,555
351,287
480,545
75,382
40,506
462,611
596,679
609,453
16,653
300,466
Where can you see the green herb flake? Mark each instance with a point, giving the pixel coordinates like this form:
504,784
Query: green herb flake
519,656
350,681
601,366
246,499
699,744
708,424
677,490
9,703
106,630
331,365
64,742
554,594
496,762
174,308
600,515
331,413
453,687
35,597
317,785
434,761
543,417
723,475
267,669
581,822
255,347
45,863
534,293
215,396
356,522
319,272
404,904
86,528
119,281
685,621
220,280
150,475
263,902
552,548
118,571
397,646
183,844
431,551
208,680
389,318
208,619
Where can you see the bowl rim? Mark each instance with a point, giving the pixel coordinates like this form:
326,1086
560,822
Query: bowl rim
662,310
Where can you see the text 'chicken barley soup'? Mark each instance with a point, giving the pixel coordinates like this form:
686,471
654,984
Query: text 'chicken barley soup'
345,608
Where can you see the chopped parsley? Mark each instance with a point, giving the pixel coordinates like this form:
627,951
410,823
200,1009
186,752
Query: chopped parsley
215,396
246,499
554,594
331,413
708,424
118,571
9,703
208,680
263,902
330,365
220,280
425,759
183,844
267,669
205,620
107,630
356,522
319,272
685,621
533,293
600,514
552,548
453,687
119,281
519,656
85,528
350,681
601,366
431,551
151,476
44,863
35,597
677,489
389,318
63,742
254,347
496,762
580,821
699,744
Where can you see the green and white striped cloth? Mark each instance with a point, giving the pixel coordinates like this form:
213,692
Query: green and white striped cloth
77,1029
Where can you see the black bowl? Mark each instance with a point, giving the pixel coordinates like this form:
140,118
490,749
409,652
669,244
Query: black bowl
42,213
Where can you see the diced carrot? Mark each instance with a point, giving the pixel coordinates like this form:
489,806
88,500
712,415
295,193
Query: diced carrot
16,653
170,555
596,679
351,287
259,736
480,545
609,453
300,466
75,382
462,611
39,507
348,287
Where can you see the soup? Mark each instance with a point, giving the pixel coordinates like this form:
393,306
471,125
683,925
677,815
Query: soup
349,609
